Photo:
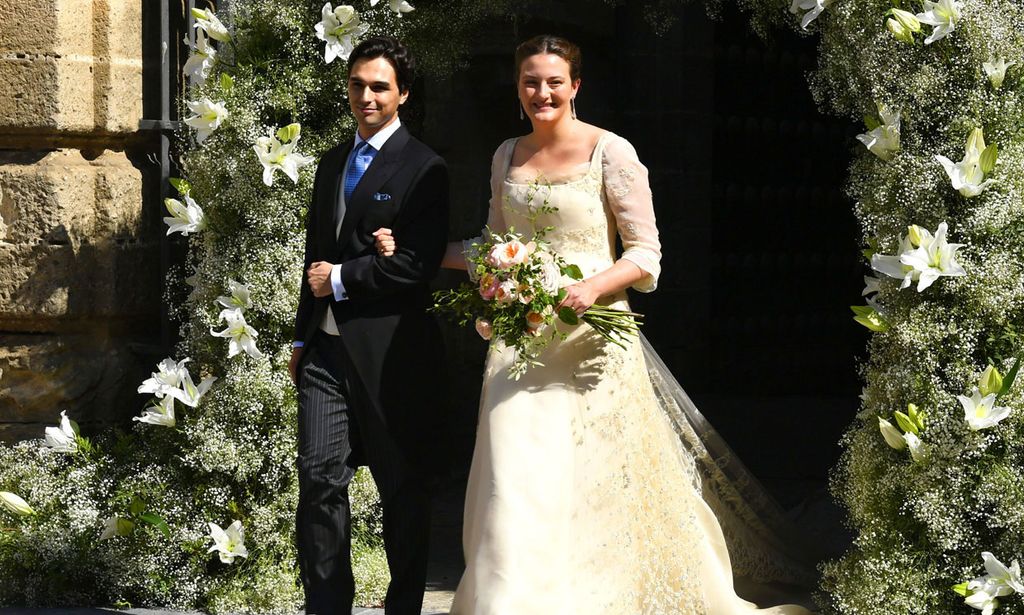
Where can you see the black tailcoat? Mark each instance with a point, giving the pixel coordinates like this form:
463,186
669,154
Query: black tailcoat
392,343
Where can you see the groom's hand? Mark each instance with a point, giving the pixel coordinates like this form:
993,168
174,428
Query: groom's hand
319,279
293,365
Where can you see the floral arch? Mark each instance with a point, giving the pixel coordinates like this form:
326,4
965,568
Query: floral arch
193,507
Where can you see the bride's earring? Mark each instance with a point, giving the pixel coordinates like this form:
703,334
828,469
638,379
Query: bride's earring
572,106
522,115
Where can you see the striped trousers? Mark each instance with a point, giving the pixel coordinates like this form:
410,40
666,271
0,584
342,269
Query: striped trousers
340,429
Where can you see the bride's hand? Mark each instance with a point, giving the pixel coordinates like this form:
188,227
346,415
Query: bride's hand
384,241
580,296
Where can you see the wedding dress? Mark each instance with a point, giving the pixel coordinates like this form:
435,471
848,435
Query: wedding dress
592,476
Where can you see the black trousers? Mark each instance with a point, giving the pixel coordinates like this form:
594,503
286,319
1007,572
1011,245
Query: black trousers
338,426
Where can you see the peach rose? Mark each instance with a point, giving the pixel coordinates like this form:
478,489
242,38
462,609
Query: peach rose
483,327
506,292
507,255
534,320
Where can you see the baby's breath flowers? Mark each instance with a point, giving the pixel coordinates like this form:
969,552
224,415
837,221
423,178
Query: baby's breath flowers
926,498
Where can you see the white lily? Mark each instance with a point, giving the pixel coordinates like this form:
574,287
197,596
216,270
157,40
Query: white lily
903,25
813,9
173,380
192,393
228,543
241,335
185,217
208,117
892,266
201,61
207,21
115,526
339,27
883,140
1000,581
922,257
401,6
995,588
916,446
1008,577
934,258
13,503
62,438
991,381
276,152
166,379
239,298
982,412
944,15
968,175
995,70
161,413
892,436
983,601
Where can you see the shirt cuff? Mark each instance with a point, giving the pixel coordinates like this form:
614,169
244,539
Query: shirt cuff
298,344
337,285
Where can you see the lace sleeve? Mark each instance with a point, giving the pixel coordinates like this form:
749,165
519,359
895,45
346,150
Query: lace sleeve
628,194
495,215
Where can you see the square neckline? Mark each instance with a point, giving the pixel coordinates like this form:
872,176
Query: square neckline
592,163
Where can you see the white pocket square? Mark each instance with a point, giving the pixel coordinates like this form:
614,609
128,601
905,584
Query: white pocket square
381,196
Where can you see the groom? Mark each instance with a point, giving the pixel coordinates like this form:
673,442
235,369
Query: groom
366,353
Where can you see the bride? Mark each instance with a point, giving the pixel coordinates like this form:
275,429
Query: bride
594,477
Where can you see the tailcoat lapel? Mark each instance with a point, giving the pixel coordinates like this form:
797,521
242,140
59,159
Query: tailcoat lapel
329,192
384,165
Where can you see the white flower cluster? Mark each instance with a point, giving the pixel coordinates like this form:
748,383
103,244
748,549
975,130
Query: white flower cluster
922,257
241,336
276,152
339,28
171,382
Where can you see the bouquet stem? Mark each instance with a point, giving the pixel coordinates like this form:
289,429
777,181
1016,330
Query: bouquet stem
616,326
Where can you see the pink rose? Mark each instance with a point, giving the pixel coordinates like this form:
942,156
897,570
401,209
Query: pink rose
507,255
488,286
483,327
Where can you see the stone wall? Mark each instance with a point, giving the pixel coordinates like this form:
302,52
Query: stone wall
79,269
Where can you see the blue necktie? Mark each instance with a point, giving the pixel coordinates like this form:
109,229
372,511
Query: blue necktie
362,156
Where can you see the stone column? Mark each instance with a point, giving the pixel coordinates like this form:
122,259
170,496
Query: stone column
79,277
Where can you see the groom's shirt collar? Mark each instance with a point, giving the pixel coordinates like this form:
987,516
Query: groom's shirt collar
378,140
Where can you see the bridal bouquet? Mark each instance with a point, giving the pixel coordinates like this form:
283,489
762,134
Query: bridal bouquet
515,291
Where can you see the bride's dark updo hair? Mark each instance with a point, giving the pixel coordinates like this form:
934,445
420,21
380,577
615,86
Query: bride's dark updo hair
555,45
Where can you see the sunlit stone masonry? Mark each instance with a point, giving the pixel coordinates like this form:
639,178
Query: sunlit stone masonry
79,269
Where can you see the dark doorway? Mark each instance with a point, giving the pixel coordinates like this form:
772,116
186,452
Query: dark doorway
761,257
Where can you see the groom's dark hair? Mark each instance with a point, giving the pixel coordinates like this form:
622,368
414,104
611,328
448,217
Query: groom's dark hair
392,50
